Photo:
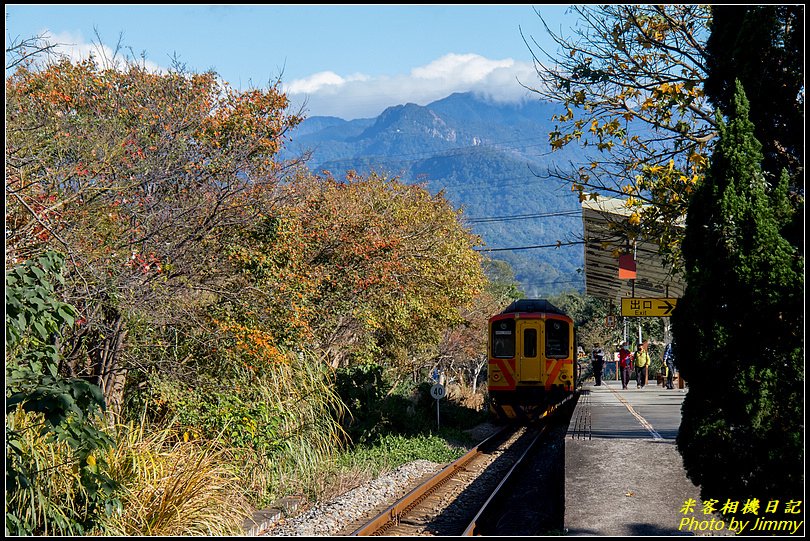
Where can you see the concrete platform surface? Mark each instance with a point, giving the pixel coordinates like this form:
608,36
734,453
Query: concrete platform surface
624,475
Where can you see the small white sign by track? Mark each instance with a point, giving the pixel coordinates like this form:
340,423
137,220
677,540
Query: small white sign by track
438,391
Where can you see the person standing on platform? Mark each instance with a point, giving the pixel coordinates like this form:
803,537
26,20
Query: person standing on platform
669,361
625,364
598,361
647,368
642,363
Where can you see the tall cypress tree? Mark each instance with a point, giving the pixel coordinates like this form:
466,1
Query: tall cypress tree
763,47
738,329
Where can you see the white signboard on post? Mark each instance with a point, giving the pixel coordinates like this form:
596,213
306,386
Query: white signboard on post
437,392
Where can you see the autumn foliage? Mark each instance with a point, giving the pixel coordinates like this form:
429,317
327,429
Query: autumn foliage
630,82
190,249
361,268
139,178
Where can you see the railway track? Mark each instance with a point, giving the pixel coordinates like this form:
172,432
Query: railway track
467,497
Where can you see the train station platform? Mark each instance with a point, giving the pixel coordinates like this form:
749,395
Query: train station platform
623,473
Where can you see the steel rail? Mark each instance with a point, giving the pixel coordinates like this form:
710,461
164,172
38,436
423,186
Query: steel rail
391,516
471,528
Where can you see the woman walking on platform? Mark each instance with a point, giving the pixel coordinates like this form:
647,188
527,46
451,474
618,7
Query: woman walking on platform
642,362
625,364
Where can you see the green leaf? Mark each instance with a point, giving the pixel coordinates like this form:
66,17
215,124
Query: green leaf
40,329
16,445
66,315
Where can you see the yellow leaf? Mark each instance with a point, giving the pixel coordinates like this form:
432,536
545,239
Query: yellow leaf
91,460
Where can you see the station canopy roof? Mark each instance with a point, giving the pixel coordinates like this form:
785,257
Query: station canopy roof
603,245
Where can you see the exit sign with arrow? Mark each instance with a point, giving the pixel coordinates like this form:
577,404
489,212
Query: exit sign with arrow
639,307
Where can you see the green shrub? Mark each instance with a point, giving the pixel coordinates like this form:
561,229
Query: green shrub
377,406
378,410
55,480
362,389
281,424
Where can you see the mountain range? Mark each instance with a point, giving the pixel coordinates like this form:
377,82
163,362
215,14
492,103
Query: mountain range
490,159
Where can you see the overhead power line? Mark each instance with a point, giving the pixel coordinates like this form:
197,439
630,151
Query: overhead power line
518,248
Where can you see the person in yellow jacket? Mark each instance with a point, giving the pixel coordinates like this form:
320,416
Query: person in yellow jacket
642,359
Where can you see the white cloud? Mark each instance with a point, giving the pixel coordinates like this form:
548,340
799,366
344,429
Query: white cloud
77,49
466,68
319,81
360,95
363,96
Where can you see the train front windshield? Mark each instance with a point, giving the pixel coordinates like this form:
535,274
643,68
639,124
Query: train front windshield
556,338
503,339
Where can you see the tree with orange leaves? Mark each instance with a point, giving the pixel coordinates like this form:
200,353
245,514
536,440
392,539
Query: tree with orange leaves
139,178
366,268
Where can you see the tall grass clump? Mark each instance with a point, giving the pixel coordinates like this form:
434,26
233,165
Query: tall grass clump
280,420
305,422
172,485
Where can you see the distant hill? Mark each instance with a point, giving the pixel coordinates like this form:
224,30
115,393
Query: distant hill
487,157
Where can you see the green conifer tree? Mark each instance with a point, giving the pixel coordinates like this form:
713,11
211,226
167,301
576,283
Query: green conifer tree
738,329
763,47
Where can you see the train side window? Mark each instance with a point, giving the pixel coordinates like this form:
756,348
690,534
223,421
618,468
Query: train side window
556,338
530,342
503,339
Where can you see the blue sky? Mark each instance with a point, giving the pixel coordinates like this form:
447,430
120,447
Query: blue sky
350,61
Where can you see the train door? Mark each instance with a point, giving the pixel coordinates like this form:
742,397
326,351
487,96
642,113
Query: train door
529,339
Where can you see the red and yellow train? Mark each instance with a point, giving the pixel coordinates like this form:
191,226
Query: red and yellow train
532,359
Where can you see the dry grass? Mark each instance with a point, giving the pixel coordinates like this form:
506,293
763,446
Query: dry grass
303,421
173,487
464,396
331,484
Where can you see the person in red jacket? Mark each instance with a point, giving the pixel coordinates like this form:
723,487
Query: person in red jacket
625,364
